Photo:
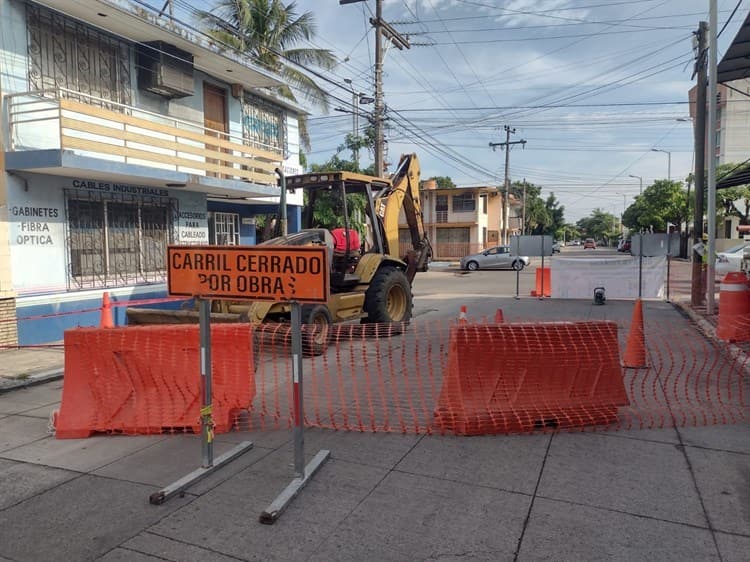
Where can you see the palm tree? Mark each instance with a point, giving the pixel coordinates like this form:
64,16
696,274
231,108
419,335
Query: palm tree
267,31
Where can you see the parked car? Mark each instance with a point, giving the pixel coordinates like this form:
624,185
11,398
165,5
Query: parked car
589,243
731,259
494,258
556,248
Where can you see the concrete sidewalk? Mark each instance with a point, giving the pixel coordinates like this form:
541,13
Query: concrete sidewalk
27,366
670,494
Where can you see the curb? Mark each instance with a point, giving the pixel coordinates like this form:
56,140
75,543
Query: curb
709,331
8,384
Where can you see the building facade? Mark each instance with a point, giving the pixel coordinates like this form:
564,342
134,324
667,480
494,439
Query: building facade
463,220
732,137
124,131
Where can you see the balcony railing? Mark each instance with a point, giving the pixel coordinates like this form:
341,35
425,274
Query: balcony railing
67,120
441,216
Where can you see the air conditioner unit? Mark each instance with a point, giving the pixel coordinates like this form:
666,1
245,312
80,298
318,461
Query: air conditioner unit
165,70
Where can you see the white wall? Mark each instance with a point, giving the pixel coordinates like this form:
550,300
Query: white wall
36,206
735,133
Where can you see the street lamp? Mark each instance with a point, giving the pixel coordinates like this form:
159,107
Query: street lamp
624,207
669,161
640,179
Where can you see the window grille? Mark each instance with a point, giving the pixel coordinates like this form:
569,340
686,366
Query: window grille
115,240
66,53
464,202
263,123
224,229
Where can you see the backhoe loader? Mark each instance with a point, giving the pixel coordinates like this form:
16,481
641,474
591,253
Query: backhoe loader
370,280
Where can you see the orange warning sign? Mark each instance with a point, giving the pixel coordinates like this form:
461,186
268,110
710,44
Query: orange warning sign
269,273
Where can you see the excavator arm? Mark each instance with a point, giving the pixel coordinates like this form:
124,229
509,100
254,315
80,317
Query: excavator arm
404,194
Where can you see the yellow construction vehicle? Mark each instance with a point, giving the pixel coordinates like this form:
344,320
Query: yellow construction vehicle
370,280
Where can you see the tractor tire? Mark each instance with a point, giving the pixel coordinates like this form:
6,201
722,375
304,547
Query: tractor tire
316,329
388,299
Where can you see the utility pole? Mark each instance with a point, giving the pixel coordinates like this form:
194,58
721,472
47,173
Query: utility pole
697,290
711,204
506,204
379,140
400,42
355,120
523,213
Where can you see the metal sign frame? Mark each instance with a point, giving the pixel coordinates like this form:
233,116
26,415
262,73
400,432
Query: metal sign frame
316,291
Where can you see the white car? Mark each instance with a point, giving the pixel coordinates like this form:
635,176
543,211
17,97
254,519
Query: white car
731,259
494,258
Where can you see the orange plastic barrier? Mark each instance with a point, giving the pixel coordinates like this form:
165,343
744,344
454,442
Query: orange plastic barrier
543,273
734,308
146,379
498,381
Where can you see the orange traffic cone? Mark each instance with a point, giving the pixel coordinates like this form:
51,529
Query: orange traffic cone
499,316
106,316
635,350
462,314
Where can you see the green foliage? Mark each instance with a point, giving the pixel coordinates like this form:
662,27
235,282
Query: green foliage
664,201
733,201
568,232
556,214
542,217
443,182
599,225
329,210
267,31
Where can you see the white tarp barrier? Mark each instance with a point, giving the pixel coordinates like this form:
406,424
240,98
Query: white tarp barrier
576,278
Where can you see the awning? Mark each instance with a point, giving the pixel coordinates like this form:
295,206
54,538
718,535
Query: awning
740,176
735,64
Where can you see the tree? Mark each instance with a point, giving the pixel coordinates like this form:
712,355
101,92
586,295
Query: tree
599,225
443,182
733,201
663,202
267,31
556,214
328,209
537,215
568,232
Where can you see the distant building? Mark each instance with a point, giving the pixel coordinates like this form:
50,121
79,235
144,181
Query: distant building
124,131
462,220
732,135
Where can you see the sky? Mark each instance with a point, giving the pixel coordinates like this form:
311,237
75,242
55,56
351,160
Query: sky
592,86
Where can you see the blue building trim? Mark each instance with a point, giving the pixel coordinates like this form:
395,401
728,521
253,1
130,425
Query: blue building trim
44,320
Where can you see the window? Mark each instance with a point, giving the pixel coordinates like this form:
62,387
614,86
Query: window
224,229
68,54
484,204
441,208
115,242
464,203
263,124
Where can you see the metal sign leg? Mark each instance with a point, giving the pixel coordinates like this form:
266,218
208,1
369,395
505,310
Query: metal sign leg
302,473
207,422
208,464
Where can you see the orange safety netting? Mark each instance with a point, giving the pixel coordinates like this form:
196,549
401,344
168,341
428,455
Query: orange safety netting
467,378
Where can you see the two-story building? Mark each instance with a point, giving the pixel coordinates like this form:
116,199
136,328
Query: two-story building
124,130
462,220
